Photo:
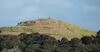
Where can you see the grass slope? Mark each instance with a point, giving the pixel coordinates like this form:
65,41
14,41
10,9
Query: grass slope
58,30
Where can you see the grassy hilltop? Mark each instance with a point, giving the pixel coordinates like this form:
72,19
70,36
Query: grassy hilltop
52,27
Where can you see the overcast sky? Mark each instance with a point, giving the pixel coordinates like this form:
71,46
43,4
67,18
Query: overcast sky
84,13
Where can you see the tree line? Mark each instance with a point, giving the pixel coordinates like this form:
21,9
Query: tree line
36,42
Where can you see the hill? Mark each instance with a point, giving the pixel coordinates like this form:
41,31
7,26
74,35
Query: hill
52,27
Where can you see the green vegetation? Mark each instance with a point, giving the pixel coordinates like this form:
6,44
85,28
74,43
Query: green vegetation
55,28
36,42
52,36
57,32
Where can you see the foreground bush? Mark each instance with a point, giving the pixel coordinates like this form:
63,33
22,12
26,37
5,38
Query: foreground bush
36,42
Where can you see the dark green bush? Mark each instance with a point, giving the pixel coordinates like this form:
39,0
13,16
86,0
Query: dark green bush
0,31
75,42
8,41
36,42
98,37
64,41
87,40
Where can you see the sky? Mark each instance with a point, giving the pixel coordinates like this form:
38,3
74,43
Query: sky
84,13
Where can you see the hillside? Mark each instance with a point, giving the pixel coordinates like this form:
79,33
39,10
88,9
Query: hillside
52,27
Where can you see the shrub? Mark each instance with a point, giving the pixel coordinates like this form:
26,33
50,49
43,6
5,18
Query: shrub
48,42
8,41
95,50
98,37
0,31
98,33
75,42
29,38
64,40
28,49
87,40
